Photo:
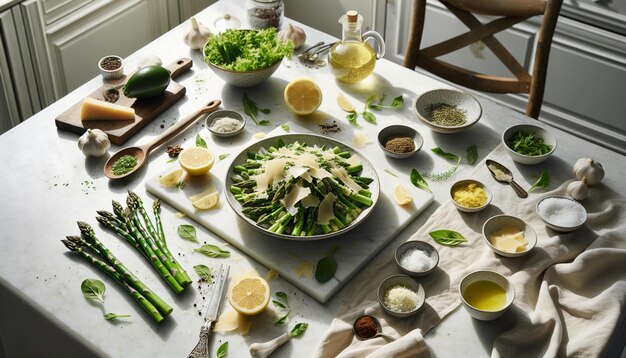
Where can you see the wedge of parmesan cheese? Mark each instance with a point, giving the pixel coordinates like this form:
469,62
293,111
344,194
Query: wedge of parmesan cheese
360,140
274,170
296,194
342,174
92,109
325,211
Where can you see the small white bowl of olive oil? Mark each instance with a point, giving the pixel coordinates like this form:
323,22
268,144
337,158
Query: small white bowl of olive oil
486,295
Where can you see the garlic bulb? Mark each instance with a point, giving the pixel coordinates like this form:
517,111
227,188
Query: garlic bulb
293,33
577,189
148,60
94,143
197,35
590,169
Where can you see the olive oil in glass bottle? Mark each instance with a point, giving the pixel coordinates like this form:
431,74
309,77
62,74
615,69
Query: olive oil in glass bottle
352,59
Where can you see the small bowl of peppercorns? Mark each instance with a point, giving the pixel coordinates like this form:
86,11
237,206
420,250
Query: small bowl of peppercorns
111,67
399,141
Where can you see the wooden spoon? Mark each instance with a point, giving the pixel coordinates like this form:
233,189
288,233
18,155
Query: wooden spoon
142,152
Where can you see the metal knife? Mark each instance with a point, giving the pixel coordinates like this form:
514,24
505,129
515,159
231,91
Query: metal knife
201,349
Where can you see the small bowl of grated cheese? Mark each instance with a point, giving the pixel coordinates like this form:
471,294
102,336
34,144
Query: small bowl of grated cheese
417,258
225,123
401,295
470,195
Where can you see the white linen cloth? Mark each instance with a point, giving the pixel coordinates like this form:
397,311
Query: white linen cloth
570,289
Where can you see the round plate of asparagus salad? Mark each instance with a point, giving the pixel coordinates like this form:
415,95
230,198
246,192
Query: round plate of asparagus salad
302,187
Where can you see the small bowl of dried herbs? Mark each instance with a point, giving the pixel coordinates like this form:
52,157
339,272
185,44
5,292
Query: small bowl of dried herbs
528,144
446,110
111,67
398,141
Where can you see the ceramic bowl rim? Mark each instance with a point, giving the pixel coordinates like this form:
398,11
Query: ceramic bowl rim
411,243
466,208
418,140
111,71
509,288
561,228
527,227
468,123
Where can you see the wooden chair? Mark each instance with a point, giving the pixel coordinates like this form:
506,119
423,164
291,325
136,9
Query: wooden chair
509,13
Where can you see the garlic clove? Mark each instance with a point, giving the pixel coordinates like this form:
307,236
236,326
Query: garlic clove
577,189
293,33
263,350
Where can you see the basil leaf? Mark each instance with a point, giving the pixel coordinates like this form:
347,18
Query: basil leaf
298,329
351,117
187,232
285,127
265,110
447,237
279,304
282,295
390,172
110,316
326,266
213,251
264,122
369,101
203,271
369,117
375,106
200,142
397,102
250,107
472,154
542,182
282,320
444,154
418,181
222,350
223,156
93,289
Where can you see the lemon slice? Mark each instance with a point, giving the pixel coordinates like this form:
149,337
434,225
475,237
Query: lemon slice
344,104
196,160
402,195
249,295
303,96
206,202
170,180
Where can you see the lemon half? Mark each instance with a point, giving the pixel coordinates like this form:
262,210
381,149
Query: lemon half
196,160
303,96
249,295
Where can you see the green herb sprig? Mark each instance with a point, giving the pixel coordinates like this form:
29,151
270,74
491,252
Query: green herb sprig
418,181
298,329
542,182
213,251
187,232
282,301
252,110
447,237
326,266
528,144
396,103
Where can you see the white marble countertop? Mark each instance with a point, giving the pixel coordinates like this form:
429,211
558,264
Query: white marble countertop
48,185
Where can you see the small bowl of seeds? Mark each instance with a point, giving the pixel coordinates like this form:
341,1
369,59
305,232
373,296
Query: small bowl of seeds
111,67
447,111
398,141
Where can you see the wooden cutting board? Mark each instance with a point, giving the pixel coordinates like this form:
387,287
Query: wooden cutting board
145,109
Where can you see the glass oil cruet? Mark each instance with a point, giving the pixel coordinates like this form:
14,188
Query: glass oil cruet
352,59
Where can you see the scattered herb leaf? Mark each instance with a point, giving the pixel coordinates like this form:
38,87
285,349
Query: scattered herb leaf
284,304
282,320
440,152
351,117
285,127
326,266
187,232
203,271
282,295
222,350
542,182
298,330
171,160
252,110
369,117
223,156
213,251
528,144
396,103
278,303
391,173
447,237
418,181
93,289
264,122
265,110
110,316
472,154
181,185
200,142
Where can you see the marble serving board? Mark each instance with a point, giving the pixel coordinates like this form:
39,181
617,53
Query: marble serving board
356,247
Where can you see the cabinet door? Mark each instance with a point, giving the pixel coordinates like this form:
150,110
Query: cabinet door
323,14
9,113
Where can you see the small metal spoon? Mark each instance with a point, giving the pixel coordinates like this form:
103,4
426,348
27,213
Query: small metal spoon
379,330
503,174
142,152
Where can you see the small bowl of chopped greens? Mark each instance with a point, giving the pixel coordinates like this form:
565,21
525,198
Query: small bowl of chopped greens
245,58
528,144
447,111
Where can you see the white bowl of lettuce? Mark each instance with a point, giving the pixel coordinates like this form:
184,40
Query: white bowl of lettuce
245,58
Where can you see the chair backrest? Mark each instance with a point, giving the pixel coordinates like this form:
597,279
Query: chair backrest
508,13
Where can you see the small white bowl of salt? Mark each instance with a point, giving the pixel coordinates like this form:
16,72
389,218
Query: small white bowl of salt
417,258
561,213
225,123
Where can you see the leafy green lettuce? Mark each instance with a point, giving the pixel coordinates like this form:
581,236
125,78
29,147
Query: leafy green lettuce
246,50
